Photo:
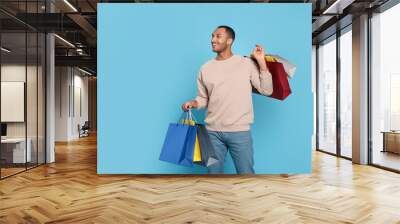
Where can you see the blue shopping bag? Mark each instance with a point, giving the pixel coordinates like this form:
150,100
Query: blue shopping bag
187,159
174,145
178,147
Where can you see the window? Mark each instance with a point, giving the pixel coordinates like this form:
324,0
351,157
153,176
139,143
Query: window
346,93
327,96
385,89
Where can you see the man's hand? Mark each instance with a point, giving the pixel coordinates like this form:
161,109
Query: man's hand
189,104
258,53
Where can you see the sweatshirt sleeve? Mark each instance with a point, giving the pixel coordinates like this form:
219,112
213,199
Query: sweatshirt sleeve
261,80
202,94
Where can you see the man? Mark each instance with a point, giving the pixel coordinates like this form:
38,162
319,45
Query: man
225,89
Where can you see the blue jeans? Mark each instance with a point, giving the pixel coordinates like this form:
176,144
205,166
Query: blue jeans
240,145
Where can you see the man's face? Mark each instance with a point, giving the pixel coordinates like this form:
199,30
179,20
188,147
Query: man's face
220,40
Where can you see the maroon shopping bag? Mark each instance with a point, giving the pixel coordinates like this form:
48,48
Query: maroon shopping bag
279,81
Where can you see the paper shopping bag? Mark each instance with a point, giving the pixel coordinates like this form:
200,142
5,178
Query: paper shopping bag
280,83
208,156
175,143
197,153
187,158
289,67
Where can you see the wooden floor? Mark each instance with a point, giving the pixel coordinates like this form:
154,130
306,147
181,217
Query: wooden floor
387,159
5,172
70,191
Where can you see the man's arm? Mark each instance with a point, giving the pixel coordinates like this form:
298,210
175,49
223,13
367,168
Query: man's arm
201,100
261,78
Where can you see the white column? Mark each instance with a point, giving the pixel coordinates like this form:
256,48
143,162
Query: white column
314,91
360,90
50,110
50,92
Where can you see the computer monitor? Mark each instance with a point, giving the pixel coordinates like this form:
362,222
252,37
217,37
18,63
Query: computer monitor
3,129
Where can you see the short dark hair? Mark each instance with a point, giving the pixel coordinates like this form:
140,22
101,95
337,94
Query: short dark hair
229,30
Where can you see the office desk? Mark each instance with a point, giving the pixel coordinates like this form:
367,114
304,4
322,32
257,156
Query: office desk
13,150
391,141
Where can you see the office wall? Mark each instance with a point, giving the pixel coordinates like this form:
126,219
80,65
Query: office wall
71,102
314,91
81,104
92,88
15,72
62,80
148,59
33,126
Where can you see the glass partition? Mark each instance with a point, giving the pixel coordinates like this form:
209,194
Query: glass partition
346,94
327,96
385,89
22,77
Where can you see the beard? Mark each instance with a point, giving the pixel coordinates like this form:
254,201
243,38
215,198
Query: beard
222,48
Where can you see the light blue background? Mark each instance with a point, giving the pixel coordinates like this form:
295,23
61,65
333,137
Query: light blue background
148,59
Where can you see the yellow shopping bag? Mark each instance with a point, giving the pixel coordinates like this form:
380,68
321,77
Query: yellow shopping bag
197,152
270,58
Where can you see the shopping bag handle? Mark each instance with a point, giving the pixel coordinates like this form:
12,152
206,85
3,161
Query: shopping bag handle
191,116
188,116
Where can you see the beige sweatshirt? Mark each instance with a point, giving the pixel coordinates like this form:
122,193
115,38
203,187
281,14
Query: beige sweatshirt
225,89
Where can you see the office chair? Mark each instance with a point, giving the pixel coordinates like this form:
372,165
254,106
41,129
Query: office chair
84,130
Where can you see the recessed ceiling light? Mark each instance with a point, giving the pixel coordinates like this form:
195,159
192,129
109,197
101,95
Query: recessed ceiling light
84,71
64,40
338,6
70,5
5,50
